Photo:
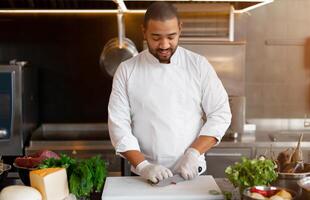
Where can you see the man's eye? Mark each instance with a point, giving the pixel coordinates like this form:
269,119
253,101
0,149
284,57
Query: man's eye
156,39
171,37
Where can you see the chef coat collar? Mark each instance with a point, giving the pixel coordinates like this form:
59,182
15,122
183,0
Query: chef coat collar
154,60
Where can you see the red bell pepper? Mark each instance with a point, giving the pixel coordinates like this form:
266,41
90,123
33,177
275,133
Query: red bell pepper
265,193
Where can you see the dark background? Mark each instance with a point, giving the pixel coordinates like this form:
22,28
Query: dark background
65,50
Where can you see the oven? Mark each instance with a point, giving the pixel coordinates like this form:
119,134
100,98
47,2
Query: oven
18,106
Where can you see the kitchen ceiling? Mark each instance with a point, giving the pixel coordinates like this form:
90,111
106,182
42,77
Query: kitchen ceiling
109,4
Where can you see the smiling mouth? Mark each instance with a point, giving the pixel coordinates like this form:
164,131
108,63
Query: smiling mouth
164,52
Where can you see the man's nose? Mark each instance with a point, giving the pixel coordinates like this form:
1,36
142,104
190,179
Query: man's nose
164,43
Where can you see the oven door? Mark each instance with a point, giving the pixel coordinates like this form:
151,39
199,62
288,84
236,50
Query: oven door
6,104
10,138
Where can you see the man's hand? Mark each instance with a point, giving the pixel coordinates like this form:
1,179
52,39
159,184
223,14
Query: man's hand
153,172
188,164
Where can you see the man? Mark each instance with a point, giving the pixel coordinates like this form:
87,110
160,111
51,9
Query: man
159,101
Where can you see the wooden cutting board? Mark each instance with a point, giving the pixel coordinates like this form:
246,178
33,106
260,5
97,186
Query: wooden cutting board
136,188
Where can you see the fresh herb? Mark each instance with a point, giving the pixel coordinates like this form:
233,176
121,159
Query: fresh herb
214,192
80,180
227,195
98,169
249,172
84,175
64,162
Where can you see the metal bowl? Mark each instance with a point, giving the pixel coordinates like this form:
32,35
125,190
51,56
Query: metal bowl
289,180
295,176
305,185
247,194
4,170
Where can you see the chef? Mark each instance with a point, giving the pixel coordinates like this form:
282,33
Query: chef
167,106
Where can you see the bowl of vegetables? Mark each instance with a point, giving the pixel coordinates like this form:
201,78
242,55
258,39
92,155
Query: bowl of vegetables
31,162
251,172
4,169
268,193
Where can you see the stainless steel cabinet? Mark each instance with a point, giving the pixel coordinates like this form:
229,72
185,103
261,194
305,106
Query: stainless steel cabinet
220,158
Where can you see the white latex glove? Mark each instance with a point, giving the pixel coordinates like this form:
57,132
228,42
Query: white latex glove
153,172
188,164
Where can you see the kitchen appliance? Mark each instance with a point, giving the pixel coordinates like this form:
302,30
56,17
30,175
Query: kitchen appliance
206,21
18,106
123,188
77,140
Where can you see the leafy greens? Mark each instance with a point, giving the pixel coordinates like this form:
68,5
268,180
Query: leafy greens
253,172
84,175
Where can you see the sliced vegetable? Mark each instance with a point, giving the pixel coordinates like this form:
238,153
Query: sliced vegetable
262,192
227,195
265,193
214,192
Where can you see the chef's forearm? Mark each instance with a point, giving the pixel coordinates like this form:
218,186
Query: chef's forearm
134,157
204,143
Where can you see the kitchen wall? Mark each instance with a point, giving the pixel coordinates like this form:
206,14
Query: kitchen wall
277,60
65,49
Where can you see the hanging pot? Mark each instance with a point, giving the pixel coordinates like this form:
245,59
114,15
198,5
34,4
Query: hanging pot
117,49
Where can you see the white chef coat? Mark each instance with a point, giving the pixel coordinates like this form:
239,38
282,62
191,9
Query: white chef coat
159,109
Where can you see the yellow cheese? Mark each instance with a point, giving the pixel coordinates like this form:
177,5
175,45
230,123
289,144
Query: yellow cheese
51,182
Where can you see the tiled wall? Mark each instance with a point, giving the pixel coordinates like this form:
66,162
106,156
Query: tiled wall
277,60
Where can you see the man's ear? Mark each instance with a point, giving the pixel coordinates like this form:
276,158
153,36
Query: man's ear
143,31
180,27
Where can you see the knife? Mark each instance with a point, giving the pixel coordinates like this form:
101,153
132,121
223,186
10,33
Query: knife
172,180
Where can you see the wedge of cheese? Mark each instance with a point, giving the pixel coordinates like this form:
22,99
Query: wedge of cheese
51,182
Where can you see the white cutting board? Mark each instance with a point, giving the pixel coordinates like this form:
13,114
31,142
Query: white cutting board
136,188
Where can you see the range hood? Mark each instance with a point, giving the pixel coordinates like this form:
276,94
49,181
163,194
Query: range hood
109,5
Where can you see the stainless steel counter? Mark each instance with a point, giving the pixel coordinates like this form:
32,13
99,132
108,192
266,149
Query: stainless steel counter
266,139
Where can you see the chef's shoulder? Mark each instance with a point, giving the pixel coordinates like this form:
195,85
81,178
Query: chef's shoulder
197,62
126,67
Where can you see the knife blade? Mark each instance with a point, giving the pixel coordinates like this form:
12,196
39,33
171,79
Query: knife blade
171,180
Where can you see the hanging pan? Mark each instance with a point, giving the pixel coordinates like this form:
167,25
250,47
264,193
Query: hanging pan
117,49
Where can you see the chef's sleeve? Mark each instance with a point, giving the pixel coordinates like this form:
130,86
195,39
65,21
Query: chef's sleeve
119,120
215,103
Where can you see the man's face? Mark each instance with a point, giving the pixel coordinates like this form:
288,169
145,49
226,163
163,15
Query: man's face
162,38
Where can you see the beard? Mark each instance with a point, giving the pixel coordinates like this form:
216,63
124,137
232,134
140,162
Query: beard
163,55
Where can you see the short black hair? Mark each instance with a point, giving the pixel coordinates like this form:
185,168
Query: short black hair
160,10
